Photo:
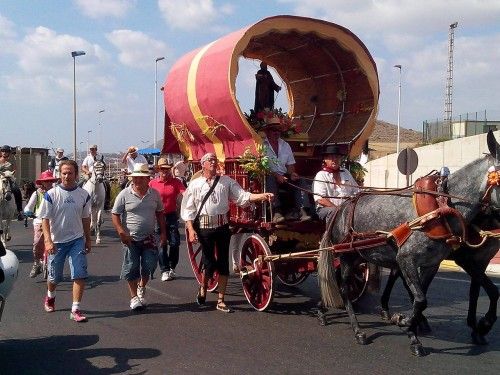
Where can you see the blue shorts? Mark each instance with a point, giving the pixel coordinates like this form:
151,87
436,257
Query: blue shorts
75,251
138,260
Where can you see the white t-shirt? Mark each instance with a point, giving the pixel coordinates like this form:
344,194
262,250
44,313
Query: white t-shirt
65,209
324,186
139,159
89,161
284,157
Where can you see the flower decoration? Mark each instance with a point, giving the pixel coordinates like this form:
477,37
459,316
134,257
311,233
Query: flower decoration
260,119
257,166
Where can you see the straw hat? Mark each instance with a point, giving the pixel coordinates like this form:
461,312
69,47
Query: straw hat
163,164
140,170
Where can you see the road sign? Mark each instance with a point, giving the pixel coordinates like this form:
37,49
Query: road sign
407,162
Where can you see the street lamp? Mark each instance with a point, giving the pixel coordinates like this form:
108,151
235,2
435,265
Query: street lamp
399,116
156,100
100,130
88,139
74,54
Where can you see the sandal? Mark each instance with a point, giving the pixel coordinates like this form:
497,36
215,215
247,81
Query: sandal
200,299
221,306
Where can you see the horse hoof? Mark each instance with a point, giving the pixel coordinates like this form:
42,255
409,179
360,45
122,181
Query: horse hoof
417,350
478,339
360,338
385,315
484,326
321,319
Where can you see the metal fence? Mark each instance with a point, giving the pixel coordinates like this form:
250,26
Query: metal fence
462,125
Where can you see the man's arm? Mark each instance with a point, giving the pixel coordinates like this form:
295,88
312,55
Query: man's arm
47,239
124,158
86,234
124,236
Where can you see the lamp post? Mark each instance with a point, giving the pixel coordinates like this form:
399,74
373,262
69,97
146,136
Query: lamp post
74,54
156,100
100,130
88,139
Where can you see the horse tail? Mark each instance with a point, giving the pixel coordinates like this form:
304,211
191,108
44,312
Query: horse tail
330,291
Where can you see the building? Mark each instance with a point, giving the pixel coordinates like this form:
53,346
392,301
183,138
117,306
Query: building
30,162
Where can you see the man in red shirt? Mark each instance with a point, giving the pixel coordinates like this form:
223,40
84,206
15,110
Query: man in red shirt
169,188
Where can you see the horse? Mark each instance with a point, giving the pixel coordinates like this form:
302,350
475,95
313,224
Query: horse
8,209
474,262
419,256
95,187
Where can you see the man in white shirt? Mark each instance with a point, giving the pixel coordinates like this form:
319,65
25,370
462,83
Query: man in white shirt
211,227
332,183
282,170
88,162
54,162
132,157
65,214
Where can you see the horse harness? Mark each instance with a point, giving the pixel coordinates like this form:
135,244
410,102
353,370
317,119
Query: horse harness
430,200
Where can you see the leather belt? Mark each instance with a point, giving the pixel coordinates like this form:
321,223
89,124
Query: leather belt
213,221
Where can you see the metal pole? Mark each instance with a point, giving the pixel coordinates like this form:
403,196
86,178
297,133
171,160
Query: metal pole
399,118
155,140
74,108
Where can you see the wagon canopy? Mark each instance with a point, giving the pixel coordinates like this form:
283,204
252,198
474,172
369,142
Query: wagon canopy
331,80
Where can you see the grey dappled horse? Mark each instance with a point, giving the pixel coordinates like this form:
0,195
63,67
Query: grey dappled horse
7,205
95,187
419,253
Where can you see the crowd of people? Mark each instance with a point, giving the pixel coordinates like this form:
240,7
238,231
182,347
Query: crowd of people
145,215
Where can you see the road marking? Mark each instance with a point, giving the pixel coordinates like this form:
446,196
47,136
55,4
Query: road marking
461,281
162,293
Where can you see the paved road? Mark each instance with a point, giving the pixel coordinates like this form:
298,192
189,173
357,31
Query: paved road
175,336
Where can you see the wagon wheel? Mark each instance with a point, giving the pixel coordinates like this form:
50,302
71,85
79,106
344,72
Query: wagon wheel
194,252
289,276
258,283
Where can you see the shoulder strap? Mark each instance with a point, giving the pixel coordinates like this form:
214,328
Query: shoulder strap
206,196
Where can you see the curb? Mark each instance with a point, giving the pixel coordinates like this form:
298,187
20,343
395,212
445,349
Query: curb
493,269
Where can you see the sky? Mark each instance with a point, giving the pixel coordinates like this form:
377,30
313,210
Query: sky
115,79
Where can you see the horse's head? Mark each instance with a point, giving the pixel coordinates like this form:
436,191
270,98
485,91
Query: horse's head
98,171
5,187
491,197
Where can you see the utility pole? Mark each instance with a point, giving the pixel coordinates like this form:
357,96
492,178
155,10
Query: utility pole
448,99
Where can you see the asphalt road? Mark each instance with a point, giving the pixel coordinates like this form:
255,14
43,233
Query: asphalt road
175,336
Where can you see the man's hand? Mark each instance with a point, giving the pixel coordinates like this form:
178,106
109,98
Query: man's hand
193,237
49,246
88,245
281,179
294,176
125,238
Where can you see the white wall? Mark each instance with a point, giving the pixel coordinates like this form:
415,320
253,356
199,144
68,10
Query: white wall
454,154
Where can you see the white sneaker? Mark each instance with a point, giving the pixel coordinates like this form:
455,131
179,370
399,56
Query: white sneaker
171,275
165,275
135,303
141,292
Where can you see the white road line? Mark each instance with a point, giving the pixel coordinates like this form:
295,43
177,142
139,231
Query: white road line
460,281
162,293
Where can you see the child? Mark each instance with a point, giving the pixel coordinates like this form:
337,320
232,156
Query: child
32,209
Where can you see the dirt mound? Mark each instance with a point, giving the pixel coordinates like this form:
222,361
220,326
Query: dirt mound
386,132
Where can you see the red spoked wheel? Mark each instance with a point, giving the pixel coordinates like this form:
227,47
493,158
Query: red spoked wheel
290,276
194,253
258,275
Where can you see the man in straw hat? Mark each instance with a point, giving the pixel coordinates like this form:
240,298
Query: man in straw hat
134,213
32,209
169,189
332,183
282,171
208,223
132,157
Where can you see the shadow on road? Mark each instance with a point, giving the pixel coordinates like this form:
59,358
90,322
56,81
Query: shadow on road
68,355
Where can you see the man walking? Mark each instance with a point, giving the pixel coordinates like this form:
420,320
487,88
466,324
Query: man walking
169,189
205,210
65,214
134,212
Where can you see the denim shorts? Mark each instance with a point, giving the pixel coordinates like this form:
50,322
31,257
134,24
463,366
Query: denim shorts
75,251
138,260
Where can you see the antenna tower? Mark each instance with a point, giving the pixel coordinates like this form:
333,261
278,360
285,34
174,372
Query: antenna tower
448,99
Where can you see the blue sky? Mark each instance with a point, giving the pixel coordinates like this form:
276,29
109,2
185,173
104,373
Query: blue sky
122,38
